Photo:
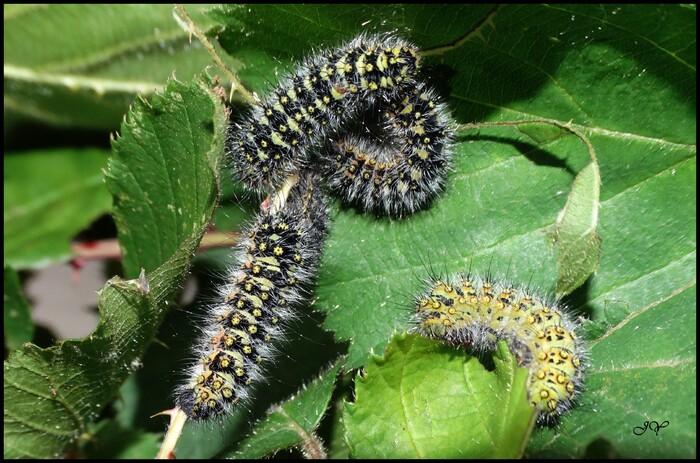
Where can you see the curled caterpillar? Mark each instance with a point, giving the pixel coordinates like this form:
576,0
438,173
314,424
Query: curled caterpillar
326,112
476,312
409,171
277,262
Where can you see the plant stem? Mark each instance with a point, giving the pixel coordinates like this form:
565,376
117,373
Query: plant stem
109,248
177,422
236,84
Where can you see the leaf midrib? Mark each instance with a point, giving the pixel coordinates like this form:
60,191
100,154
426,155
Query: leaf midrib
55,196
143,43
580,127
98,85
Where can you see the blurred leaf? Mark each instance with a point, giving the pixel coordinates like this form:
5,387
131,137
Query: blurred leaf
19,327
623,75
109,440
51,394
50,196
429,395
237,206
165,163
291,423
82,65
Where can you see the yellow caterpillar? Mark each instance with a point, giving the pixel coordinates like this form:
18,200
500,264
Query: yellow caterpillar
477,312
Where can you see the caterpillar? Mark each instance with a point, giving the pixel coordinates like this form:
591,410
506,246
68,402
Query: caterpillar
381,137
322,113
276,264
477,312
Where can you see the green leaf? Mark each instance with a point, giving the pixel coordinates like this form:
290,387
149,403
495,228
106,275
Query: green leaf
51,395
575,231
335,436
622,75
83,64
50,196
19,327
422,396
509,191
291,423
110,440
164,165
